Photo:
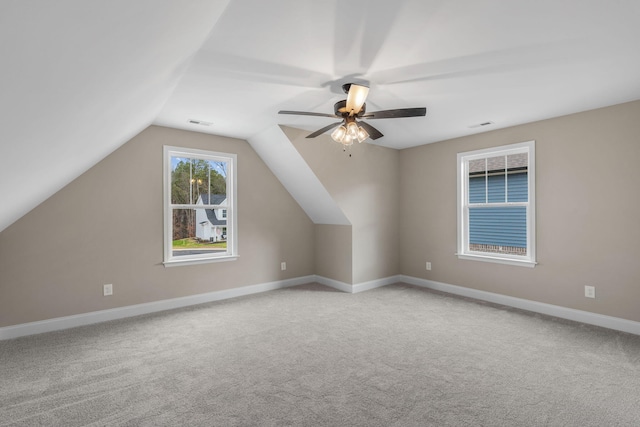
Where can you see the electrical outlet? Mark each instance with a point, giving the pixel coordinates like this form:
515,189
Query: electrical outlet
428,265
283,266
590,291
107,290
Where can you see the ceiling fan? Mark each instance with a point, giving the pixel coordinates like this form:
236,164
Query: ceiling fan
352,111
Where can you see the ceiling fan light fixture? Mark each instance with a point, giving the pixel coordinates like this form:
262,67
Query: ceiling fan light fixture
362,134
356,96
352,130
339,134
352,112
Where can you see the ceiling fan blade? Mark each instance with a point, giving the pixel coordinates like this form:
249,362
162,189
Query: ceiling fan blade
400,112
356,97
308,113
373,132
323,130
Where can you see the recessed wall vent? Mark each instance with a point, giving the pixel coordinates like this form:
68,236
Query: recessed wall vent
479,125
199,122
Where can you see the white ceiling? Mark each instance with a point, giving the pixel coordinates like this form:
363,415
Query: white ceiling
78,78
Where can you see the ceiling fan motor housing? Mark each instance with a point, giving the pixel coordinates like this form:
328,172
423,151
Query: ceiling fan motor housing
340,109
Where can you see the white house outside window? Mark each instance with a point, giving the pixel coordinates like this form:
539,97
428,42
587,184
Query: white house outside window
198,187
496,204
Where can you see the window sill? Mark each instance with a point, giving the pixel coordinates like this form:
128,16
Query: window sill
193,261
498,260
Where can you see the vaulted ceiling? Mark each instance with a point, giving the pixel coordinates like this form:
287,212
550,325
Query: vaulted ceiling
78,79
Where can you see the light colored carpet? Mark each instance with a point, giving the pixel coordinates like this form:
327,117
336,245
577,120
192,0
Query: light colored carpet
311,356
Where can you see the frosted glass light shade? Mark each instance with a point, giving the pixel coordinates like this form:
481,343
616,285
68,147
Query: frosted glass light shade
339,134
362,134
352,130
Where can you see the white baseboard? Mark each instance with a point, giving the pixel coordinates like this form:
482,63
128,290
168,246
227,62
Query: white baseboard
610,322
377,283
335,284
358,287
66,322
73,321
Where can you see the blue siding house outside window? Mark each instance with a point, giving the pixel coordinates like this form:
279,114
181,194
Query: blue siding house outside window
498,226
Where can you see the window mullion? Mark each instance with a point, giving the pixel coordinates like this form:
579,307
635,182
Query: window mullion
497,205
178,206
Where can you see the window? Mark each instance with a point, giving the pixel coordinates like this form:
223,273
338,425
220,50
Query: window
200,216
496,209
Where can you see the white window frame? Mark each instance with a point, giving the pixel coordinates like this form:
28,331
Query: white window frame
232,212
463,206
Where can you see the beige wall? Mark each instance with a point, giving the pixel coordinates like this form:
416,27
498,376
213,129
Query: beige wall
588,211
106,227
366,187
334,252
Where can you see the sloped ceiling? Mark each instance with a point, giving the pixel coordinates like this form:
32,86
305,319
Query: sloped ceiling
79,78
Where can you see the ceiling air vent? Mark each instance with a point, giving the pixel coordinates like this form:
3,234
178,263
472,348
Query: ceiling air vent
199,122
479,125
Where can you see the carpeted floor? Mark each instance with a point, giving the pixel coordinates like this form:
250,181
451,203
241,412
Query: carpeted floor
311,356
